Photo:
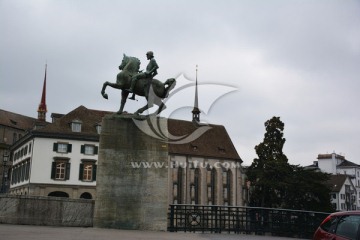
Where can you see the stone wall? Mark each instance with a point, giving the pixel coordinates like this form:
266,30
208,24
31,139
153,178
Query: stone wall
49,211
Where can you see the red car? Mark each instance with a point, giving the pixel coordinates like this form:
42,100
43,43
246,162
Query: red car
339,226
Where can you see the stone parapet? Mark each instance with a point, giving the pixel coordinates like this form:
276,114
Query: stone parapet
46,211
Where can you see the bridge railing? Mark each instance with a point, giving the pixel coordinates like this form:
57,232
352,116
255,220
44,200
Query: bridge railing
248,220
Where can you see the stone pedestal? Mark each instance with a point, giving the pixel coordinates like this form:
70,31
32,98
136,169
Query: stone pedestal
131,195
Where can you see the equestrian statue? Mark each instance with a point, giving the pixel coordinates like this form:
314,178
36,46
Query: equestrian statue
131,80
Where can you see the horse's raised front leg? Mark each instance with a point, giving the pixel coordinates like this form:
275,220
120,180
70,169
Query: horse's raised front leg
113,85
124,95
103,90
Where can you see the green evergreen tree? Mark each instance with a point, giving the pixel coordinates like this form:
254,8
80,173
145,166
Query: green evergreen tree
269,171
277,184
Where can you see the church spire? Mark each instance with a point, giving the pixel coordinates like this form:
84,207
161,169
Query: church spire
196,111
42,106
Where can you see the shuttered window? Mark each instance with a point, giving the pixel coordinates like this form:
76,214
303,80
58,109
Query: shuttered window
87,171
62,147
89,149
60,170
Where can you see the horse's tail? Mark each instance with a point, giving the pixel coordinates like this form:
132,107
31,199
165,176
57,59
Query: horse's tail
170,84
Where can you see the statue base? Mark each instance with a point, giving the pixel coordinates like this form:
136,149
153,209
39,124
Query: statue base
132,176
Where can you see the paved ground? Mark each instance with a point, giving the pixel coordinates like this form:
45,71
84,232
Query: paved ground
22,232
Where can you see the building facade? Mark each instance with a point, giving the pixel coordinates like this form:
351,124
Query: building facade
60,159
12,127
205,171
337,164
343,193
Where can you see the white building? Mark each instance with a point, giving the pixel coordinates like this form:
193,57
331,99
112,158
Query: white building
337,164
59,159
343,193
12,127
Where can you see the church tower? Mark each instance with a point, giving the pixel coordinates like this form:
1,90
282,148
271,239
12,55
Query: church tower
196,111
42,106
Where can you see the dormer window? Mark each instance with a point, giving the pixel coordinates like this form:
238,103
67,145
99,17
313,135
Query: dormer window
76,126
98,128
221,149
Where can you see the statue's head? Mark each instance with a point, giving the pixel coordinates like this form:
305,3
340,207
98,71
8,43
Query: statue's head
150,54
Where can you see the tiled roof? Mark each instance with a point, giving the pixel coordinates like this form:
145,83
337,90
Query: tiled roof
336,182
327,156
347,163
214,142
15,120
88,118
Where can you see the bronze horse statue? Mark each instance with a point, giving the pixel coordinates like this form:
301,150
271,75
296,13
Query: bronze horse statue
152,89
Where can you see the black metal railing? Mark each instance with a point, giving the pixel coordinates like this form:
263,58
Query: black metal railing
248,220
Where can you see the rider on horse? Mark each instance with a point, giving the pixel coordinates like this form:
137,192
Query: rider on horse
151,71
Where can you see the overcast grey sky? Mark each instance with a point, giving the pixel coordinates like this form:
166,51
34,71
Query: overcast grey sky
299,60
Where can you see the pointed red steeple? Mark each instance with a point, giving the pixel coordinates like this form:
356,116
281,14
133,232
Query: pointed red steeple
42,106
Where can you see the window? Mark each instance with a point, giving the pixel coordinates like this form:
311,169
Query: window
227,184
62,147
98,128
194,174
22,170
197,183
76,126
211,183
88,168
329,224
221,150
89,149
14,177
334,205
60,170
6,158
87,171
27,170
347,227
180,186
